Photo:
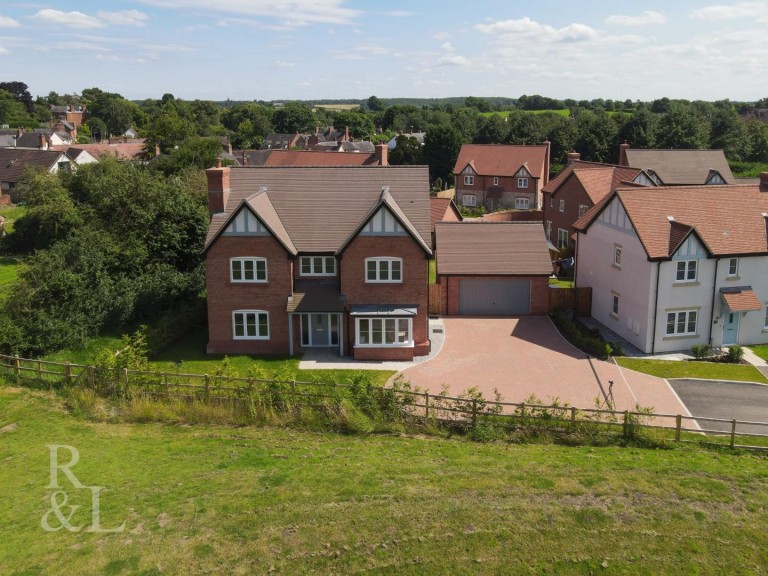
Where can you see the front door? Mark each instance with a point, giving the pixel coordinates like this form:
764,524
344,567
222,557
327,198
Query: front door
731,328
320,332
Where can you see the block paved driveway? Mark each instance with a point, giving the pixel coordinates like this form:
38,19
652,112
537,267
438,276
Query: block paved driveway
527,355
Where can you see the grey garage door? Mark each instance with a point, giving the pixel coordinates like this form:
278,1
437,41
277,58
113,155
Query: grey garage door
494,297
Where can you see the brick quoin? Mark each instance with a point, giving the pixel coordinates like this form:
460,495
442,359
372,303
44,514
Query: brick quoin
224,296
449,292
411,291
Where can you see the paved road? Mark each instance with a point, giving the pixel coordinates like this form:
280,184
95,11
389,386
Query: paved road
727,400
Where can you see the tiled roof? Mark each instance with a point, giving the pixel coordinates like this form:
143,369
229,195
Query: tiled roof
741,299
311,158
320,206
596,178
316,296
686,167
502,160
122,150
492,248
728,219
437,209
13,161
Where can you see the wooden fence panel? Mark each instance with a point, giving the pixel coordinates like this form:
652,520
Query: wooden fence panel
577,299
434,299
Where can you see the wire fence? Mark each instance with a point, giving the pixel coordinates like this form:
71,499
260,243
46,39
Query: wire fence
398,401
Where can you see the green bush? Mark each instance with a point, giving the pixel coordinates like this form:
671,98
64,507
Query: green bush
588,341
701,351
735,354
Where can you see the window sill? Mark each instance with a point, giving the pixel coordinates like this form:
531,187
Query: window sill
250,338
408,345
249,281
684,284
681,337
729,278
614,316
617,266
383,281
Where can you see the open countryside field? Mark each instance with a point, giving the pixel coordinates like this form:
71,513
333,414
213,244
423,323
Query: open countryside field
246,500
337,107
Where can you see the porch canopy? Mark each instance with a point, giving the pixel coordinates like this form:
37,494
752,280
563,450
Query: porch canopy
740,299
383,310
315,296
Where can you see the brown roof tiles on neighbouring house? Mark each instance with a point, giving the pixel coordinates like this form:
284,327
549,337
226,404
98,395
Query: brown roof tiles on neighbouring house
680,167
504,160
519,248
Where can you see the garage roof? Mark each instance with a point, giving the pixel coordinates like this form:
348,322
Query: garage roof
492,248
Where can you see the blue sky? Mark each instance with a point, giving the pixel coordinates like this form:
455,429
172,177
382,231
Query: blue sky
317,49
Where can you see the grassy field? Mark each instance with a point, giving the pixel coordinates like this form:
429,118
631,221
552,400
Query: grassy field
11,213
9,271
684,369
188,356
223,500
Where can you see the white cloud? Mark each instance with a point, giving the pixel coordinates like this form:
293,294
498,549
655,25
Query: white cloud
646,18
441,36
454,60
527,28
6,22
288,12
399,13
285,64
3,51
757,10
69,19
448,47
124,18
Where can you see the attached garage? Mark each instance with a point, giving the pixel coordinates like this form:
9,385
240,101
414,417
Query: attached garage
494,297
492,268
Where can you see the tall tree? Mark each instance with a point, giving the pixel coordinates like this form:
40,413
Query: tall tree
20,93
683,128
441,149
293,117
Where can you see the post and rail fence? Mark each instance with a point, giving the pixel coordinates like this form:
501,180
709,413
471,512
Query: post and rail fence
469,411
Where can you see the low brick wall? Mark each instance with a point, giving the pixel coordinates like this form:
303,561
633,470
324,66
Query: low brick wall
383,353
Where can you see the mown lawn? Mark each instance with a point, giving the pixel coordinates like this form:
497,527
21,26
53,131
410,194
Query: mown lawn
9,271
11,214
561,283
761,351
246,500
687,369
188,356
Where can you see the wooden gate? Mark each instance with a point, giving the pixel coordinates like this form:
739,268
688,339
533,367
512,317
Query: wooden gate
577,299
434,298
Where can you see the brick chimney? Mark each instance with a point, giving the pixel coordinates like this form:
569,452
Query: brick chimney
382,154
763,181
572,157
346,134
623,147
218,188
43,144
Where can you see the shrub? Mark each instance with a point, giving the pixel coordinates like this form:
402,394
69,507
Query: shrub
735,354
586,340
701,351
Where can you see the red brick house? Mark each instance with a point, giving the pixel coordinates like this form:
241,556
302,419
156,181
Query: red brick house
581,185
334,257
442,210
500,176
510,280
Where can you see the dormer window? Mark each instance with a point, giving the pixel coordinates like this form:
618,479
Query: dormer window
318,266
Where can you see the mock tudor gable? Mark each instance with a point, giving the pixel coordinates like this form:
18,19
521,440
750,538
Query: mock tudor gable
334,257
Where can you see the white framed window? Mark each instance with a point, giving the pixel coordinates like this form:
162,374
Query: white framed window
318,266
469,180
383,269
549,230
495,180
583,209
522,182
614,304
248,269
379,332
765,325
682,323
686,271
562,238
521,203
469,200
562,205
617,256
250,325
733,267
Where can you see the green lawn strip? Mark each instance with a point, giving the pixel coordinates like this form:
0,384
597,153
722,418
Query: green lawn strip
246,500
560,283
432,271
687,369
188,356
761,351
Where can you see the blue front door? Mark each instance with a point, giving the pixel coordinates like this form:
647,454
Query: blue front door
731,328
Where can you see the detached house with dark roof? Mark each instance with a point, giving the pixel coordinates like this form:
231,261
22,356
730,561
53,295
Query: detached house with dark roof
332,257
500,176
674,267
679,167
